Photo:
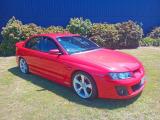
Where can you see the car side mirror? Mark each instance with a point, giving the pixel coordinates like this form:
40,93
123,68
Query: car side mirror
55,52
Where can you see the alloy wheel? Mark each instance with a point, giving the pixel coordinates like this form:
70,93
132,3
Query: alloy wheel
82,85
23,66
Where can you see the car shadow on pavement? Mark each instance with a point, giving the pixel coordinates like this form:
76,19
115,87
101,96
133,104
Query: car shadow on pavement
68,93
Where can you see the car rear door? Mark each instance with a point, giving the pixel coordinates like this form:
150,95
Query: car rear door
31,53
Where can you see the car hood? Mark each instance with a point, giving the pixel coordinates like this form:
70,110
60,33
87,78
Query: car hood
110,59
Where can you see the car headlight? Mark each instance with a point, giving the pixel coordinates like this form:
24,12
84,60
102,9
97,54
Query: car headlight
120,75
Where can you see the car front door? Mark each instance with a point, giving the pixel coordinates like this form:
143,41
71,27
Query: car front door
51,64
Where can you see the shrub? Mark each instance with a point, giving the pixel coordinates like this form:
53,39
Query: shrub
32,29
129,34
121,35
15,31
11,34
147,41
105,35
29,30
80,26
155,33
156,42
55,29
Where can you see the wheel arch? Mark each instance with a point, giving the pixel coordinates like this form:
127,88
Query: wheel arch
19,57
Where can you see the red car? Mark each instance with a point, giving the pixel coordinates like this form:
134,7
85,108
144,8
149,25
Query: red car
77,62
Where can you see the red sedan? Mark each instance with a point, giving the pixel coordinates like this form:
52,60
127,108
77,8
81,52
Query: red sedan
77,62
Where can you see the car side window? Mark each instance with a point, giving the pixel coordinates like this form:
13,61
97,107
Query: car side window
47,44
33,43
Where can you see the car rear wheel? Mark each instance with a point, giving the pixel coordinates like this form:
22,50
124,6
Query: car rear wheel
84,85
23,66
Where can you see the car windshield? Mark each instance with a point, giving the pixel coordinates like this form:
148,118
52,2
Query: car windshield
75,44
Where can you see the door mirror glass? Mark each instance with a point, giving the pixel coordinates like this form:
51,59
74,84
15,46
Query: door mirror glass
55,52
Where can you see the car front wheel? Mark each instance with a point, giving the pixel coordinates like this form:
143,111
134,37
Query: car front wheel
23,66
84,85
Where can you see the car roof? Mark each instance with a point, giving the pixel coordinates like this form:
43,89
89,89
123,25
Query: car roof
55,35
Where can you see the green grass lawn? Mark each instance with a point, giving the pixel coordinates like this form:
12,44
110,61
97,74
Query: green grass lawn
30,97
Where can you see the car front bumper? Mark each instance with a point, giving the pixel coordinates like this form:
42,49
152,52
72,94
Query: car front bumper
123,89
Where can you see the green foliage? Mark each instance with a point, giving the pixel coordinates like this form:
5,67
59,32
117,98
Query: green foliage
11,34
147,41
29,30
80,26
105,35
15,31
120,35
156,42
155,33
129,34
55,29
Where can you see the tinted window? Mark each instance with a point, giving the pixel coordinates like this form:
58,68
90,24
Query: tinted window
33,43
76,44
47,44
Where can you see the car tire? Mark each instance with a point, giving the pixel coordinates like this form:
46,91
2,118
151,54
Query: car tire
23,66
84,85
